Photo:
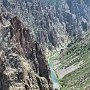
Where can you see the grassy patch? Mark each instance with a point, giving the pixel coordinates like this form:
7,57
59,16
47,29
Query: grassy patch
75,53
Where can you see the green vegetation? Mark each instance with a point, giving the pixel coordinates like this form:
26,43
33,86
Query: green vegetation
54,55
76,52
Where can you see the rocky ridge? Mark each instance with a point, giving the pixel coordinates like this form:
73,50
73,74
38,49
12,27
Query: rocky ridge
22,60
55,22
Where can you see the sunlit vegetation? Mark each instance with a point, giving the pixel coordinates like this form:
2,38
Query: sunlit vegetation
75,53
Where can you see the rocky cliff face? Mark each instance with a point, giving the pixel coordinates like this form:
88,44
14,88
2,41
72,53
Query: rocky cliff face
41,18
22,60
53,21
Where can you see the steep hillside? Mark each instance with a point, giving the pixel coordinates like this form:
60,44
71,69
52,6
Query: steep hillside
40,18
22,60
73,65
51,24
53,21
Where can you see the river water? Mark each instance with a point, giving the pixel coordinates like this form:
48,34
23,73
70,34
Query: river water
54,77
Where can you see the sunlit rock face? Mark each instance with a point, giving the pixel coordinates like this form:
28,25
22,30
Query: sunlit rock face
53,21
40,18
22,60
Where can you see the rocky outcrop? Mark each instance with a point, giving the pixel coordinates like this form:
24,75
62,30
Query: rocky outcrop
22,60
40,18
55,22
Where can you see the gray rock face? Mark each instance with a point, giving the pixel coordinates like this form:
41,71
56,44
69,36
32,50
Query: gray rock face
40,18
22,60
53,21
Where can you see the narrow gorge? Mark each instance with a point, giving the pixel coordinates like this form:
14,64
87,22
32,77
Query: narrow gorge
44,44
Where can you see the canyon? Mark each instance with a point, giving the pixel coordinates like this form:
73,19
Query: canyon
22,60
28,28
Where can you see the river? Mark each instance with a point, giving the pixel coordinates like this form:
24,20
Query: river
54,77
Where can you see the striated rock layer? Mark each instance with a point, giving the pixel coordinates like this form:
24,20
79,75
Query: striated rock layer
54,22
41,18
22,61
